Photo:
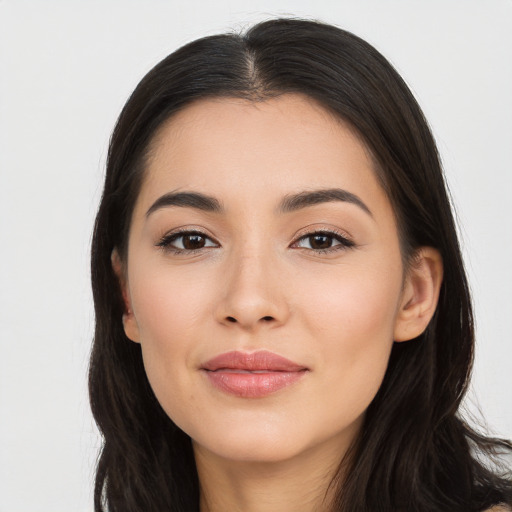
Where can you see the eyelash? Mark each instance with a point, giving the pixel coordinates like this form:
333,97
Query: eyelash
344,242
166,241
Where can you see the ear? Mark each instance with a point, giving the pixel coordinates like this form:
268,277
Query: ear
420,294
131,328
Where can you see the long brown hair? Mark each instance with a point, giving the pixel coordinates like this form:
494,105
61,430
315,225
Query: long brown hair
414,453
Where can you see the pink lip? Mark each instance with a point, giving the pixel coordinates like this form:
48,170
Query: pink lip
252,375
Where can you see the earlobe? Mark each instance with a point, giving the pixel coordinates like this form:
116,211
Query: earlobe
420,294
131,328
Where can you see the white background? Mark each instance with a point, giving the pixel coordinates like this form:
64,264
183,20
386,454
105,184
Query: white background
67,67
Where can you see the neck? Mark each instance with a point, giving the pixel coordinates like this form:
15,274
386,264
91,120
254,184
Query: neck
301,484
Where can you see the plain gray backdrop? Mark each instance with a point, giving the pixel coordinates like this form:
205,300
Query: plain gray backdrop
66,69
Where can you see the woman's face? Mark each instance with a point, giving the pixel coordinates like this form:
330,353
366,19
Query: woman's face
261,233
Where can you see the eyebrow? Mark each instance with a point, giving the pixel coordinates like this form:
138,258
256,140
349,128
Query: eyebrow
289,204
186,200
301,200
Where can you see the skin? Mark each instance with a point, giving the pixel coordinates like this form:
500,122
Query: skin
260,283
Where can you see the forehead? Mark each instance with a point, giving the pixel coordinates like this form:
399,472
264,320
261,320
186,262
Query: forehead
238,149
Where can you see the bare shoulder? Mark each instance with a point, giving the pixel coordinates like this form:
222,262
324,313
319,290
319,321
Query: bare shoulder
499,508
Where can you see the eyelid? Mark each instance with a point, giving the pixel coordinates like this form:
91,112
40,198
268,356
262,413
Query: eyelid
164,242
313,229
346,241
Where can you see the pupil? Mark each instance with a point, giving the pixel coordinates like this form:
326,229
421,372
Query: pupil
193,242
320,241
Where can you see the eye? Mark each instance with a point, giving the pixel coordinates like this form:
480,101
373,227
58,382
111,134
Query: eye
186,241
323,241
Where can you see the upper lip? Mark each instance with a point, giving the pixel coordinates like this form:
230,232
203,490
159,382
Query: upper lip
252,361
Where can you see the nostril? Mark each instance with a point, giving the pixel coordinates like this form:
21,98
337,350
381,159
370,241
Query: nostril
233,320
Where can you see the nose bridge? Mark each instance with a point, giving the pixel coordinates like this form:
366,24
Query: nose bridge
252,293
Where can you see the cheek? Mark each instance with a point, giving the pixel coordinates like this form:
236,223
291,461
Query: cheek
168,306
168,312
352,304
354,317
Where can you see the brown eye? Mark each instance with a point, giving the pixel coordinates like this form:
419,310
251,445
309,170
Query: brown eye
323,241
191,242
320,241
186,241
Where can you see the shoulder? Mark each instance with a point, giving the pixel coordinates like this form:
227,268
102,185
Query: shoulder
499,508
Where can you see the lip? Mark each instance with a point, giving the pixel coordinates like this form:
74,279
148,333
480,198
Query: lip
252,375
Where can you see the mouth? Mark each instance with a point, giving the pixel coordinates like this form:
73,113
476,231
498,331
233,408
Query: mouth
252,375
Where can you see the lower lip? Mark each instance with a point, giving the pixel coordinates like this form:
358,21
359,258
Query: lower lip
253,385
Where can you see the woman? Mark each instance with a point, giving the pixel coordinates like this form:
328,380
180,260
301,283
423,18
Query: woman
283,321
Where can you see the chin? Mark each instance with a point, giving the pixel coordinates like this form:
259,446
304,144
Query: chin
257,450
269,441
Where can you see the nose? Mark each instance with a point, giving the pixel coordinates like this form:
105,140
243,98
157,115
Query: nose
253,295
